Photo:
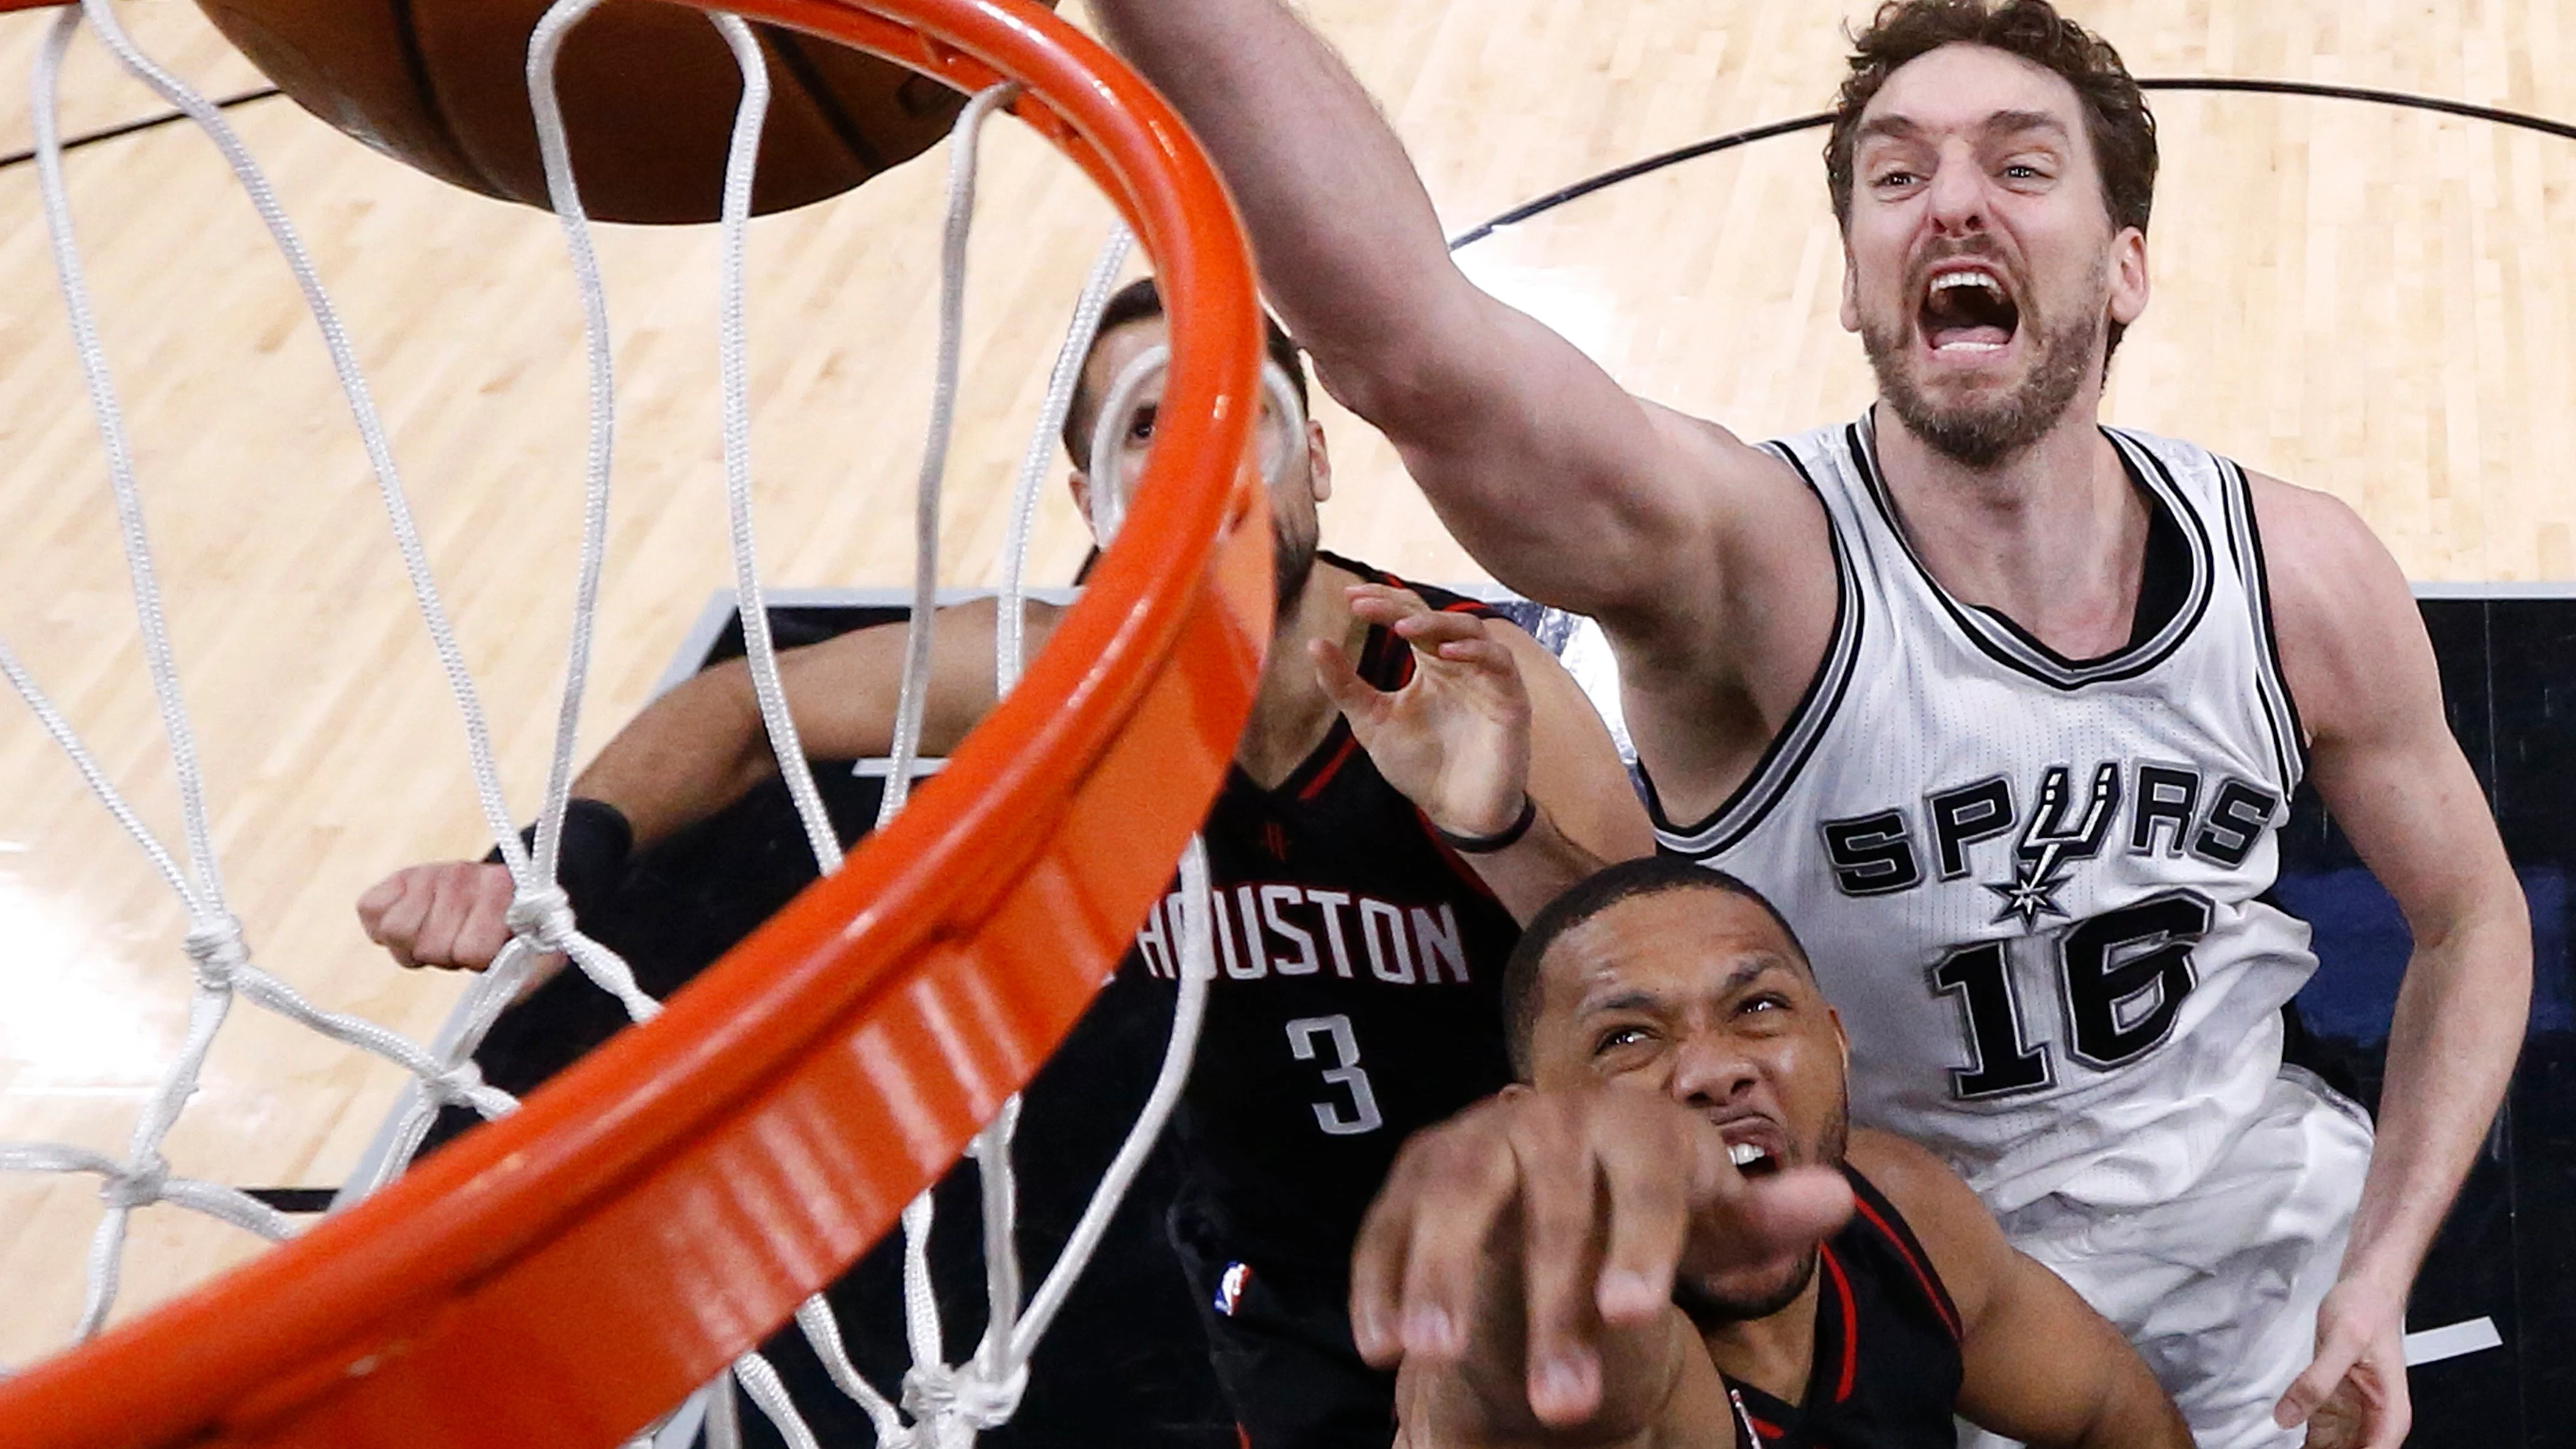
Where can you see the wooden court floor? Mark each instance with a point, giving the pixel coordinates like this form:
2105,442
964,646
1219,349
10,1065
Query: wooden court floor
2374,301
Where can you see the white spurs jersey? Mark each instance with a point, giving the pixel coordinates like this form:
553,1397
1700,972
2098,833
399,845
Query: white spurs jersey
2029,884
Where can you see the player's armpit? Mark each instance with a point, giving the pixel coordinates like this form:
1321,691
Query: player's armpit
2037,1364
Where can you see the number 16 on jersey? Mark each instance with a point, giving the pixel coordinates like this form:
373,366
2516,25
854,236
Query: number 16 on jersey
2120,980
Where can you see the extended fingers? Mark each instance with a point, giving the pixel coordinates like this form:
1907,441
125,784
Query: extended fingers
1377,1269
1560,1250
1415,1264
1340,678
1383,604
1446,1253
1649,1186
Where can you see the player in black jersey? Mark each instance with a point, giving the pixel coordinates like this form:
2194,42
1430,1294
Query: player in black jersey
1671,1229
1359,953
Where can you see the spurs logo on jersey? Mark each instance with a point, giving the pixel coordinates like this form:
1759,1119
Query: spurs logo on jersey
2032,885
2170,808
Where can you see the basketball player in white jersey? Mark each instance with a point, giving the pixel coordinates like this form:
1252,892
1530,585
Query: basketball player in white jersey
2000,706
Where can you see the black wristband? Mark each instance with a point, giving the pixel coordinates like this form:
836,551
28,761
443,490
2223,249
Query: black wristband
596,842
1487,844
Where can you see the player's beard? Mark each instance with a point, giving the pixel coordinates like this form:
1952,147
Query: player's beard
1709,1309
1982,432
1292,562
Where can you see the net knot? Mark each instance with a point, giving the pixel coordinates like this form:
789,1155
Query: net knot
542,917
457,1086
933,1394
215,945
138,1186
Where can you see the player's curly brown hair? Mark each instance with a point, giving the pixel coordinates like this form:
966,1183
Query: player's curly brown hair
2115,112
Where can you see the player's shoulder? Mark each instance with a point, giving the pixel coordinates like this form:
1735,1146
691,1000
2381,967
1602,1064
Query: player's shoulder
1735,463
2340,605
1908,1175
2307,527
1757,552
1943,1215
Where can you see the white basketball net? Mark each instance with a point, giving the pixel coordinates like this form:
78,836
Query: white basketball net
940,1405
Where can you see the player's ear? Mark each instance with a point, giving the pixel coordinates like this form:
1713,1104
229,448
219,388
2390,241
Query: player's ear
2129,286
1851,293
1319,462
1078,483
1842,1039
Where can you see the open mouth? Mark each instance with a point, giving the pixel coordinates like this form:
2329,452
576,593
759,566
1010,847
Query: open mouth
1968,310
1755,1145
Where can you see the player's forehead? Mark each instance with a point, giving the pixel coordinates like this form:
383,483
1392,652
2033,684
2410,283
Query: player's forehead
1668,948
1974,90
1113,349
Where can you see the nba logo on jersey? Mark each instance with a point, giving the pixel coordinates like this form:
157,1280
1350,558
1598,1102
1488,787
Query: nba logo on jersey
1230,1285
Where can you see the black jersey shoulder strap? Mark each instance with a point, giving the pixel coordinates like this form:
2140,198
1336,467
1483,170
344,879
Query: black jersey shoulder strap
1873,1212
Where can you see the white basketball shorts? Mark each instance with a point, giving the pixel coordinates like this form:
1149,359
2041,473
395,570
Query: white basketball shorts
2219,1288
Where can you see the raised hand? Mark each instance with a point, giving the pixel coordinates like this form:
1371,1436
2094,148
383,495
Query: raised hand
453,914
1589,1201
1456,738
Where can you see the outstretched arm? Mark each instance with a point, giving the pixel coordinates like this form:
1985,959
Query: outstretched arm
696,750
1491,725
1519,1266
2036,1363
1569,489
702,746
2362,674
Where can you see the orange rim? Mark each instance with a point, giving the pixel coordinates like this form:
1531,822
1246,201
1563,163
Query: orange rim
568,1273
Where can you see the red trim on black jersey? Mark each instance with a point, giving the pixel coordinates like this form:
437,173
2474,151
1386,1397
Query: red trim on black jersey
1908,1250
1385,662
1850,1324
1333,765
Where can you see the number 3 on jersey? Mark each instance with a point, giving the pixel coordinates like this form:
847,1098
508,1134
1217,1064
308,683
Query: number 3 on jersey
2124,975
1306,1038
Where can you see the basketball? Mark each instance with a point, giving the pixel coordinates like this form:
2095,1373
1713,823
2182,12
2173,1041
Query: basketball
649,92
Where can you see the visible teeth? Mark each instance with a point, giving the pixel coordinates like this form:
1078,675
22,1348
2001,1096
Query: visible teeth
1948,280
1743,1152
1969,347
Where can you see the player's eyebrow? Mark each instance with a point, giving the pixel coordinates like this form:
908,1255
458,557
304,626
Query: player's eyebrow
1753,969
1629,1000
2014,123
1747,971
2001,123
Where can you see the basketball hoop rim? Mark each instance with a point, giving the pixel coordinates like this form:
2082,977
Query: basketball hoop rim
676,1164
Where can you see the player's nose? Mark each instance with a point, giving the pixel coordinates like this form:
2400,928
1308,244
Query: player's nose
1709,1069
1955,197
